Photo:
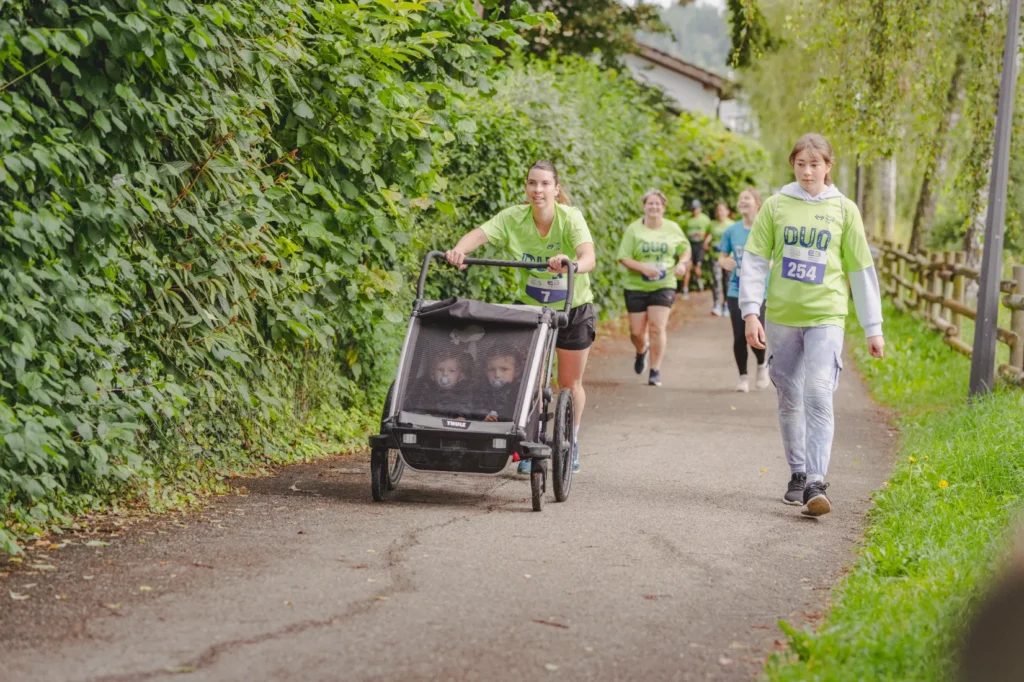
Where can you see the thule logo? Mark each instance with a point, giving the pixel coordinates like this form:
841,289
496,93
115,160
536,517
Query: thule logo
455,424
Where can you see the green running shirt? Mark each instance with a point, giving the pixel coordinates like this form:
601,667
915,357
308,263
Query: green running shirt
514,231
812,245
661,247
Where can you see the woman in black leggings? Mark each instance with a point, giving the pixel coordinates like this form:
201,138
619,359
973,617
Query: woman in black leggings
731,258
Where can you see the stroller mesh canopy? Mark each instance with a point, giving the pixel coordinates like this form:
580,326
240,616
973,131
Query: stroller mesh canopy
467,369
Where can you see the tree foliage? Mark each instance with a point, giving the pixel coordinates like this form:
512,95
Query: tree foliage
209,214
584,26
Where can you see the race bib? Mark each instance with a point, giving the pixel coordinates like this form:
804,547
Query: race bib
547,290
803,264
661,275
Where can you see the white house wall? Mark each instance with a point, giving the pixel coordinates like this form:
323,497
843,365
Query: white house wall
688,93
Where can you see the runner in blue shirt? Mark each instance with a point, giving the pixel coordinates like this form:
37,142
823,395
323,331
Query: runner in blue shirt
731,258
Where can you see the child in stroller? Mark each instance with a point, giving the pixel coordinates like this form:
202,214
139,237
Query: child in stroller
446,389
496,394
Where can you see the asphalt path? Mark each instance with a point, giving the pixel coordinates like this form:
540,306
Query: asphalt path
673,559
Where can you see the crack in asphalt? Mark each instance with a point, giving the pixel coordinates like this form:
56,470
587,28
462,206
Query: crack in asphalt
400,584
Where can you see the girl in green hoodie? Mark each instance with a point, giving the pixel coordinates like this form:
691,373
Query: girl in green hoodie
814,239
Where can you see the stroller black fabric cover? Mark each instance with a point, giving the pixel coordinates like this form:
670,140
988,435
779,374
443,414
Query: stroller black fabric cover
468,360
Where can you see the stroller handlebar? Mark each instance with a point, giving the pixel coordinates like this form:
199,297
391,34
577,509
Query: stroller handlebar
529,265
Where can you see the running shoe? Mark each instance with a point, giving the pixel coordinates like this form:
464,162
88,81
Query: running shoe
762,376
640,363
575,457
524,466
655,378
716,311
815,501
795,493
744,385
686,294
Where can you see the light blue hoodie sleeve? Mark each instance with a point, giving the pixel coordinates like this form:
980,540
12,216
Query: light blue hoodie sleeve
753,283
867,300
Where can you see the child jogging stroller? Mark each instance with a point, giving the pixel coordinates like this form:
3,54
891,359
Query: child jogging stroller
472,392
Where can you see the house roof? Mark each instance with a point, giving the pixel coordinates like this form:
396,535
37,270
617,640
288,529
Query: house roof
709,80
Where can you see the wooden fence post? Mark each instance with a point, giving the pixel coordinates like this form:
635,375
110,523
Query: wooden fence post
923,283
958,295
947,284
1017,323
935,288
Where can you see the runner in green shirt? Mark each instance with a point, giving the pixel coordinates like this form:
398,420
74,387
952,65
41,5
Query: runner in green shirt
697,231
715,231
655,252
543,230
814,239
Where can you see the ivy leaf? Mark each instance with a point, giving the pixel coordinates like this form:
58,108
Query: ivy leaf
302,109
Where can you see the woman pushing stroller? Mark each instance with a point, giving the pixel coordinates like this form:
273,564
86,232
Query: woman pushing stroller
546,229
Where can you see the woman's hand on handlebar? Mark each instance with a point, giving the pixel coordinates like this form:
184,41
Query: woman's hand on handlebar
558,263
456,257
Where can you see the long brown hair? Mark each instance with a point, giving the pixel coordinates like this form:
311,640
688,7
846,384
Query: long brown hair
562,196
754,193
819,146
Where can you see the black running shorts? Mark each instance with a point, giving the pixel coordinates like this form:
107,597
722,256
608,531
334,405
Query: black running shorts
640,301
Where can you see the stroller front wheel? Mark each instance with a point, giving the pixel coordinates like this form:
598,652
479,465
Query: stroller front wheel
380,479
537,486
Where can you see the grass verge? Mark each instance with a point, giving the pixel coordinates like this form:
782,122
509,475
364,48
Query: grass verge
938,526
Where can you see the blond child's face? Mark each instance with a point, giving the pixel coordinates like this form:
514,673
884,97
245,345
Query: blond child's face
501,369
447,373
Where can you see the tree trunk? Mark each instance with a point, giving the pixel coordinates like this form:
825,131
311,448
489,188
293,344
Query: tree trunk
938,159
889,197
867,205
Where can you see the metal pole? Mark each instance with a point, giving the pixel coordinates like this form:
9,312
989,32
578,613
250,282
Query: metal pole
983,362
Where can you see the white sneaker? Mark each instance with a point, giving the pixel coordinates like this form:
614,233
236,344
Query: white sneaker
762,376
744,385
686,295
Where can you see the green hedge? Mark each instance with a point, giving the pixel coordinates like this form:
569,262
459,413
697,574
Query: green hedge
211,212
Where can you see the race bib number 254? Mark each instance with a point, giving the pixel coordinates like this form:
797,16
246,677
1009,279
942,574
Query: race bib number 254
803,264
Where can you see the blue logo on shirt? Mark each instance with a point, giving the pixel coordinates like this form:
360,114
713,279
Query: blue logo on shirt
807,238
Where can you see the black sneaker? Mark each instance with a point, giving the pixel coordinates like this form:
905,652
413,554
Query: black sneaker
655,378
815,501
795,494
641,361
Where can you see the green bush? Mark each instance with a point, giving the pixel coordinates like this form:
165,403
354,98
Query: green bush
211,212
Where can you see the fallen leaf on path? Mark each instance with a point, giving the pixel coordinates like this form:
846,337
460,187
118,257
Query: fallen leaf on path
88,577
588,649
724,661
97,543
113,606
14,560
381,598
372,551
554,625
550,667
527,575
732,407
29,586
763,470
54,546
61,596
145,588
182,669
44,567
737,645
371,580
19,597
287,603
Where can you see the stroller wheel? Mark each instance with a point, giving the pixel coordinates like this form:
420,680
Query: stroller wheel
379,479
537,487
562,445
396,467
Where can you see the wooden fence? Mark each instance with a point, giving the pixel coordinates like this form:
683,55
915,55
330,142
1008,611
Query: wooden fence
933,286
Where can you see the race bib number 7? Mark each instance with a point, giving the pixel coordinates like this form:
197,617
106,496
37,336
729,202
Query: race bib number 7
547,290
804,265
